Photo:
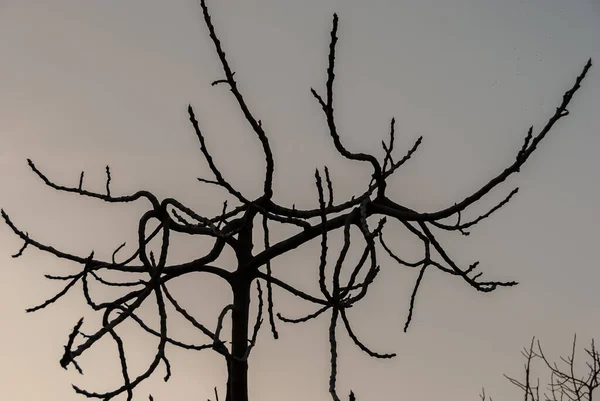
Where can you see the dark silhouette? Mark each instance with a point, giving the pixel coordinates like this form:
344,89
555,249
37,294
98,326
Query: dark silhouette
234,228
567,381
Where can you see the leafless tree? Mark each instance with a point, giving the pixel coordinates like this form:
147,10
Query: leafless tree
234,228
565,383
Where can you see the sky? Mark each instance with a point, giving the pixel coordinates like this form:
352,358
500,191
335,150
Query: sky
86,84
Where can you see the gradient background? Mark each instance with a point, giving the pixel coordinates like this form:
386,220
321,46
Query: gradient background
90,83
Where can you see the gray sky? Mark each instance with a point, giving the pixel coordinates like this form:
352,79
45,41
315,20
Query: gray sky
85,84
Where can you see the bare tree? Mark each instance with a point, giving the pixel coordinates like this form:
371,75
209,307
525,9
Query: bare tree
565,383
235,228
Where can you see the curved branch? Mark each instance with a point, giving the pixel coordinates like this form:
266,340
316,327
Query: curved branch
106,198
327,106
358,343
254,123
304,319
389,208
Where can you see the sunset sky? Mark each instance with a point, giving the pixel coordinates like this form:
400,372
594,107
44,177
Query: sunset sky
90,83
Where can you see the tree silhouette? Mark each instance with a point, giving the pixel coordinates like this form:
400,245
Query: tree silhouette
566,383
234,228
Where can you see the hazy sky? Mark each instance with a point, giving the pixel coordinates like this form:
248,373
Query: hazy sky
96,82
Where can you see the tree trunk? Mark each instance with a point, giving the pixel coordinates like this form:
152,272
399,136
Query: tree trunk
237,365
